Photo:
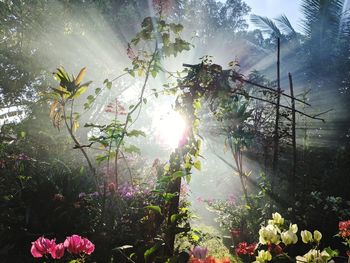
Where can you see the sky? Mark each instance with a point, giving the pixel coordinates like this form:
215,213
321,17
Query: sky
275,8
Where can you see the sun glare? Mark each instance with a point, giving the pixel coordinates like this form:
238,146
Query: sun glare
170,128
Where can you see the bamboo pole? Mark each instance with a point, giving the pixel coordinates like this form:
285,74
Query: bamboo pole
277,119
294,144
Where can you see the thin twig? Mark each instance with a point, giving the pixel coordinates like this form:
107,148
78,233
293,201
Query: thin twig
282,106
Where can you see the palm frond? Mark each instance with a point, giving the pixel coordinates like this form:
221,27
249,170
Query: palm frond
321,16
265,24
285,24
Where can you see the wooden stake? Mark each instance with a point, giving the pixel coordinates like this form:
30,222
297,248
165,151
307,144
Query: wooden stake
294,144
277,119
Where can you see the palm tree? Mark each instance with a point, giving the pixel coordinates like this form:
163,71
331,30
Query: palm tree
278,27
326,27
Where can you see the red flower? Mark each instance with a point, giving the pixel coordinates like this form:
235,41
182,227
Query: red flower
278,249
344,229
244,249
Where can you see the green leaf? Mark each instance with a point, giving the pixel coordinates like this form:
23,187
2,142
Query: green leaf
154,73
332,253
61,91
136,133
97,91
177,174
197,165
174,217
109,85
150,251
154,208
123,247
144,100
132,149
101,158
168,196
132,73
147,22
79,92
176,28
166,39
23,134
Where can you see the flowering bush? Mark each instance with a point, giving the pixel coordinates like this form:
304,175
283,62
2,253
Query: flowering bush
276,236
75,245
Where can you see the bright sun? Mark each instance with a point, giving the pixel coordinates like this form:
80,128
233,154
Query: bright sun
170,128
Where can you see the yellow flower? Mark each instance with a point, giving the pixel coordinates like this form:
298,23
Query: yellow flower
293,228
317,236
289,237
306,236
314,256
263,256
269,234
277,219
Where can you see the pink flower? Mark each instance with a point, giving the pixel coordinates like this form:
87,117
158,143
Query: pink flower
88,246
58,251
76,244
73,244
42,246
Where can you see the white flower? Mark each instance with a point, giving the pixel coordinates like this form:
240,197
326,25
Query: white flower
293,228
263,256
314,256
306,236
317,236
269,234
277,219
289,237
